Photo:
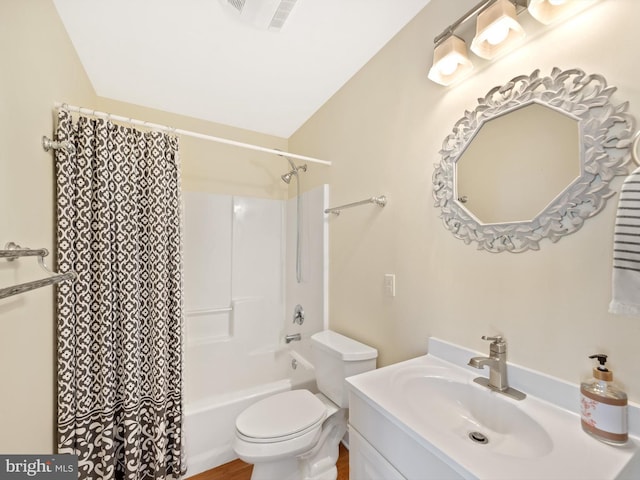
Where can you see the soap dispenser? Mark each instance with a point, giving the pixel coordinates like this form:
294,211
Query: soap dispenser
603,406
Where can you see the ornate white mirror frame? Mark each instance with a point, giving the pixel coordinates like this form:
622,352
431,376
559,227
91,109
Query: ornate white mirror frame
606,135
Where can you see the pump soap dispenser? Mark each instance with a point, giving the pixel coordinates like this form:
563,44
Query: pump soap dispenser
603,406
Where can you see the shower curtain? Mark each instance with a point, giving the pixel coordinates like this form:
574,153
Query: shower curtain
120,323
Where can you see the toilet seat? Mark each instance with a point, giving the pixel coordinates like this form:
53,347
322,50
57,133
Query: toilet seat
281,417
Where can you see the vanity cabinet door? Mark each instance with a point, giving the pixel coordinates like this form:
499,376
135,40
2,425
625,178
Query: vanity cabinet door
366,463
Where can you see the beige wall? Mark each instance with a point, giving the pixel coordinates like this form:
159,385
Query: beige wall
39,66
383,132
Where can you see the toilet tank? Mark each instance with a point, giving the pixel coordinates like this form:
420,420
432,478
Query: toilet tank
336,357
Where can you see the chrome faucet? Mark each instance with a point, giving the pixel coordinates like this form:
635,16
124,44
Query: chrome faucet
497,363
294,337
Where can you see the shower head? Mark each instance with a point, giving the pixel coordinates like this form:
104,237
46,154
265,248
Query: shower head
286,178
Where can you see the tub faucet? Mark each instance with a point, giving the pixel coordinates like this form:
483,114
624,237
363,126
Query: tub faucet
497,363
294,337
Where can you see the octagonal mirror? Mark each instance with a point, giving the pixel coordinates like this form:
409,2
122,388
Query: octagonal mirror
517,164
532,161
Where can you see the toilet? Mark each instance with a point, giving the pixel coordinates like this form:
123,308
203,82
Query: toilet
295,435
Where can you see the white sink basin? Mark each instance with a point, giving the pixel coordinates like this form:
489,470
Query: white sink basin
469,412
426,408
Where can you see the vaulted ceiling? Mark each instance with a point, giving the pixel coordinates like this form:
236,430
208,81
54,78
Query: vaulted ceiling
199,58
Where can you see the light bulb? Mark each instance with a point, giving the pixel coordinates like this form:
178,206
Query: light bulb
557,2
447,65
497,33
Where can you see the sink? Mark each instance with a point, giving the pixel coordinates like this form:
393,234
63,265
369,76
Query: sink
427,419
471,413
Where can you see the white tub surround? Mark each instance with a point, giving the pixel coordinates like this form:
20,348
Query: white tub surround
240,290
425,418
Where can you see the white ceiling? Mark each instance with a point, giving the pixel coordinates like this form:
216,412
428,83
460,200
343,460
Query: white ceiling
195,58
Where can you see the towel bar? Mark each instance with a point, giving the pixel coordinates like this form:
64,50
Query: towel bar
380,201
12,251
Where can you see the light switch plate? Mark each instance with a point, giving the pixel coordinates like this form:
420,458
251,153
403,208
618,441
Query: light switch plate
389,284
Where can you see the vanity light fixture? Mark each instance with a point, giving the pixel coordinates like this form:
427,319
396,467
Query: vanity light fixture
450,61
550,11
497,32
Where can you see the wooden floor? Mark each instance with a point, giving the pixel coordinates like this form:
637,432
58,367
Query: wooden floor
238,470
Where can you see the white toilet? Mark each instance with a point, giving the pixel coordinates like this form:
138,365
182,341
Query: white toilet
295,435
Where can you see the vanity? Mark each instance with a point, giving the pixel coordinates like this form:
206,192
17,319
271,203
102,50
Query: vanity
426,418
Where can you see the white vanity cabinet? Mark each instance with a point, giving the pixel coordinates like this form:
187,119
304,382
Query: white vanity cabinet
381,449
366,463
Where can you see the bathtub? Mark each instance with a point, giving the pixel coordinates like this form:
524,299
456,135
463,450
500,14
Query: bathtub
209,423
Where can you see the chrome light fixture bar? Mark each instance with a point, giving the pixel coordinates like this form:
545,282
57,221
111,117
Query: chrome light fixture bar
497,32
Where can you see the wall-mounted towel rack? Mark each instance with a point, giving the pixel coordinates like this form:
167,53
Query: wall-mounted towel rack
13,251
381,201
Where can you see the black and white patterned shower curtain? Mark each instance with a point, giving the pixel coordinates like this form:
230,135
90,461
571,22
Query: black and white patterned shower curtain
120,322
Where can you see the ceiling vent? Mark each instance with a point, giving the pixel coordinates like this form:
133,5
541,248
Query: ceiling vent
265,14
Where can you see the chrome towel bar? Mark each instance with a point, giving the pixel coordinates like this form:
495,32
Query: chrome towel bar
381,201
13,251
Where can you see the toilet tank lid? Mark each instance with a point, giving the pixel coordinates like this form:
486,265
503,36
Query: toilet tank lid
348,348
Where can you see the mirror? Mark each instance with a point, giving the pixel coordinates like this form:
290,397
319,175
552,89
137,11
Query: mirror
532,161
517,164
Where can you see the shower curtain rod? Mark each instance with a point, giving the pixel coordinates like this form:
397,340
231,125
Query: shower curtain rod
188,133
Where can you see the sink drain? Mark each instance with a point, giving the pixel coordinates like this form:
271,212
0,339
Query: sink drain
478,437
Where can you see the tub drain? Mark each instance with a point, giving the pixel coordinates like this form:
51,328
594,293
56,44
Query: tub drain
479,437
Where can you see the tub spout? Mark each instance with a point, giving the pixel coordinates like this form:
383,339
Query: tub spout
291,338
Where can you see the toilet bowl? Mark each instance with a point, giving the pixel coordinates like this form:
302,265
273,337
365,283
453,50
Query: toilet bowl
295,435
